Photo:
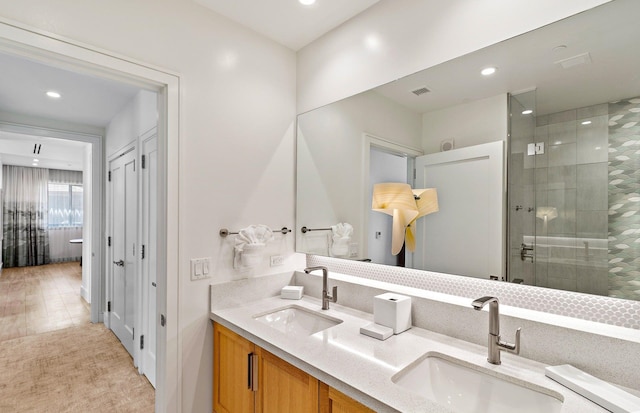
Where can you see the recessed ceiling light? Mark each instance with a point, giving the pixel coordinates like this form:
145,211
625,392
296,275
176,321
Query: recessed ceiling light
586,122
36,160
34,164
307,2
54,94
559,48
527,112
488,71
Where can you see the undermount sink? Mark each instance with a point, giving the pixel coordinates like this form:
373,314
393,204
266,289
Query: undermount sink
462,388
293,319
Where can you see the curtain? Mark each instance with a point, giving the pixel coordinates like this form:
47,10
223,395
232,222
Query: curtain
65,215
60,176
60,249
26,240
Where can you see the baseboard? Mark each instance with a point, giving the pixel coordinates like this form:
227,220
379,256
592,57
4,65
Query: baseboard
105,318
85,294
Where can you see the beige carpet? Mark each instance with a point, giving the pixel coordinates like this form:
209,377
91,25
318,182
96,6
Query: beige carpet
77,369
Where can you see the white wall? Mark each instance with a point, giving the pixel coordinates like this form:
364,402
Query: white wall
135,118
237,136
330,153
477,122
395,38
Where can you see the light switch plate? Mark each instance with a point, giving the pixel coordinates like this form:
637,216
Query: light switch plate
200,268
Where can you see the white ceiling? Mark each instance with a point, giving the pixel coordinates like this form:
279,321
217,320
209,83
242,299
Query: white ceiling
18,149
86,100
287,21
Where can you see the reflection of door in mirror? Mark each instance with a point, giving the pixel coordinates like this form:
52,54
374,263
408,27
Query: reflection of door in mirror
465,235
384,166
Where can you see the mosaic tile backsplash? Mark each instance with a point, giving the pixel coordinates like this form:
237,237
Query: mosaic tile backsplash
607,310
624,199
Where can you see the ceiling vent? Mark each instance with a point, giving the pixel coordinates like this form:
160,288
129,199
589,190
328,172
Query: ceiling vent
581,59
36,148
420,91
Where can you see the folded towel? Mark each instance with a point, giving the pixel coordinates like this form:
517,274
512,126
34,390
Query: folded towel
253,235
341,236
249,244
341,231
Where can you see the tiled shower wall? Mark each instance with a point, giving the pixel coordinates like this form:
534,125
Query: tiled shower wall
590,174
572,177
624,199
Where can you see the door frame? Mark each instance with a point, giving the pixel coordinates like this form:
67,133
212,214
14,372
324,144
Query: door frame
144,205
91,250
369,141
52,49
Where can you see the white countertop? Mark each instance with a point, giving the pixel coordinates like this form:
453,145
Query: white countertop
362,367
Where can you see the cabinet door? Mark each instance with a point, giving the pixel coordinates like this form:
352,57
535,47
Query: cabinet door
284,388
332,401
232,391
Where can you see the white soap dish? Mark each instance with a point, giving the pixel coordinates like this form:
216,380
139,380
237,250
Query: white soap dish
376,331
291,292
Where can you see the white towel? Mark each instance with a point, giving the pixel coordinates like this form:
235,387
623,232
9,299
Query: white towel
249,244
253,235
341,236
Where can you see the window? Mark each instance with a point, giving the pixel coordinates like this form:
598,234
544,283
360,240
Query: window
65,205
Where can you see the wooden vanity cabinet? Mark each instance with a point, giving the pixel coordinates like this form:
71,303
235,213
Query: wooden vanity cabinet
247,379
283,387
232,392
332,401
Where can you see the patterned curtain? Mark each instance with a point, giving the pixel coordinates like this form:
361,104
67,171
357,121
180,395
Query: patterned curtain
26,241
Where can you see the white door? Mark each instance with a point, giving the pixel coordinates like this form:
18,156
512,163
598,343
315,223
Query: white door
149,227
465,237
123,200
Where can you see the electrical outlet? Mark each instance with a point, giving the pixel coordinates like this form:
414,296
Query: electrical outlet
353,250
200,268
277,260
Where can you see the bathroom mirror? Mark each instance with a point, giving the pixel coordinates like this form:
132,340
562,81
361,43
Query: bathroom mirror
570,188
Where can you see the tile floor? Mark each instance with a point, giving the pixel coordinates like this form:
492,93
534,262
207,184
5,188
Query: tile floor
43,298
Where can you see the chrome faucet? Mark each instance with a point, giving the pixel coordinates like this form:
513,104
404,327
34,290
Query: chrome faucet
326,298
495,345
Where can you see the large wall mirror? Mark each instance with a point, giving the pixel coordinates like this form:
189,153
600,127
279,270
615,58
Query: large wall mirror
535,165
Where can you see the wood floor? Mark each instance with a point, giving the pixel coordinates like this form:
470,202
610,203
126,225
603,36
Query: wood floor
43,298
52,359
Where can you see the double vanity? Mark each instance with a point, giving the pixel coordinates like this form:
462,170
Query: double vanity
294,355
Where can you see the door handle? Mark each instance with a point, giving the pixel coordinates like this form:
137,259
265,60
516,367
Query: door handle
119,263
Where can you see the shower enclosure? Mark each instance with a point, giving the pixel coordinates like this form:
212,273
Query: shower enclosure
574,197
